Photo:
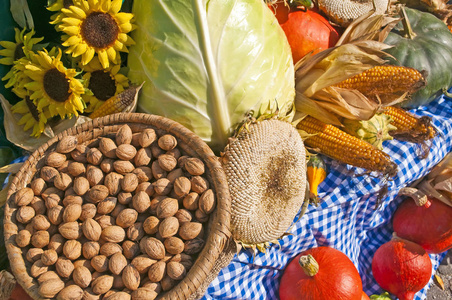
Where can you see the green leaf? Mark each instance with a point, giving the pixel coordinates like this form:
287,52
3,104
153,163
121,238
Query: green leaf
206,64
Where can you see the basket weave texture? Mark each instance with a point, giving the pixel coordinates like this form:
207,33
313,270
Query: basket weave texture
218,231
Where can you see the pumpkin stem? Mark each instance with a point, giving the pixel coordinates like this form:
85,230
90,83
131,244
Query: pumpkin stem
409,33
309,265
419,197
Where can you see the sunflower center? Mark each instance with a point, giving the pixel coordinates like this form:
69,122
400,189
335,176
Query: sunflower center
102,85
99,30
56,85
67,3
33,109
19,51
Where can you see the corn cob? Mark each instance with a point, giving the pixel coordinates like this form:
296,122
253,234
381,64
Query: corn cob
116,104
409,127
385,79
346,148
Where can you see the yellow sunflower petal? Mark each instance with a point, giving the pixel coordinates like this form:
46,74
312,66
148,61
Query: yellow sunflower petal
115,6
8,45
70,30
72,40
126,27
72,21
88,55
30,123
78,11
7,61
80,49
111,52
118,45
103,58
123,17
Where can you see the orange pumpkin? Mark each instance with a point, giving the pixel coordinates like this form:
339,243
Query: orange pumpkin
306,30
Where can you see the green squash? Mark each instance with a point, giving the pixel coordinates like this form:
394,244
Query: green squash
428,48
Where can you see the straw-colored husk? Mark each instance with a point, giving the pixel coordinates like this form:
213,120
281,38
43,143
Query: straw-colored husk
218,234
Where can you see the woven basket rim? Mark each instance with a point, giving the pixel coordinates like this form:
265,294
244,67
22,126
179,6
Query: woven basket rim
219,232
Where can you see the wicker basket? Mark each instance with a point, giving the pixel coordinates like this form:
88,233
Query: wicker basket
217,235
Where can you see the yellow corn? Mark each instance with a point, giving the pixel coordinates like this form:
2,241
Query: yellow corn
346,148
409,127
115,104
386,79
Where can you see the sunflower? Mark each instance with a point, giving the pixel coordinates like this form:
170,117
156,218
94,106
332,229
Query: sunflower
54,86
102,83
31,117
96,26
15,53
57,6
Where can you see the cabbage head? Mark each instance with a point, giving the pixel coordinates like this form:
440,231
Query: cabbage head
207,64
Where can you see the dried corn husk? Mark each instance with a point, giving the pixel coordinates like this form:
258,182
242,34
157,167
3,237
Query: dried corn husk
438,183
360,48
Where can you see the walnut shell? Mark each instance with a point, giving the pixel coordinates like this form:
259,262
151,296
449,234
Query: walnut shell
162,186
143,173
102,284
80,186
182,186
94,175
143,157
157,271
100,263
25,214
108,249
169,227
49,257
40,238
55,159
167,208
151,225
38,186
123,135
98,193
72,292
147,137
70,230
38,268
141,202
91,229
90,249
94,156
66,144
129,183
108,147
50,288
123,166
174,245
144,293
24,196
62,181
72,249
107,205
167,142
175,270
207,201
126,152
190,230
142,263
82,276
113,183
72,212
23,238
117,263
64,267
79,153
114,234
154,248
167,162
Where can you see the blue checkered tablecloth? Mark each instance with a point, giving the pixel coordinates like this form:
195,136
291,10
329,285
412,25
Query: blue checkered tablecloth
345,220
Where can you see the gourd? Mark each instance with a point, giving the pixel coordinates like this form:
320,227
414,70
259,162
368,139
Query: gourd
424,220
423,43
317,172
401,267
306,30
321,273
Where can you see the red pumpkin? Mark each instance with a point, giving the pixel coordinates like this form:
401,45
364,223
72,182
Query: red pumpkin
306,30
402,268
321,273
426,222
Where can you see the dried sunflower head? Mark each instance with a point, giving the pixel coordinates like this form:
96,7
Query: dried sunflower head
266,171
96,27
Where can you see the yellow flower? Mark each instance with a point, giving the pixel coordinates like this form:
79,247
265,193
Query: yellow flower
31,117
20,48
57,6
96,26
103,83
16,52
53,86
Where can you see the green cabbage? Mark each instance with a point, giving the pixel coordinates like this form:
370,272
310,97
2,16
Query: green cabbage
206,64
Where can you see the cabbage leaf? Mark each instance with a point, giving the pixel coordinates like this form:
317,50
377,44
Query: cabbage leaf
207,64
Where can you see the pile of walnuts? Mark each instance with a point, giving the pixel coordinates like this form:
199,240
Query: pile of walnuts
121,218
